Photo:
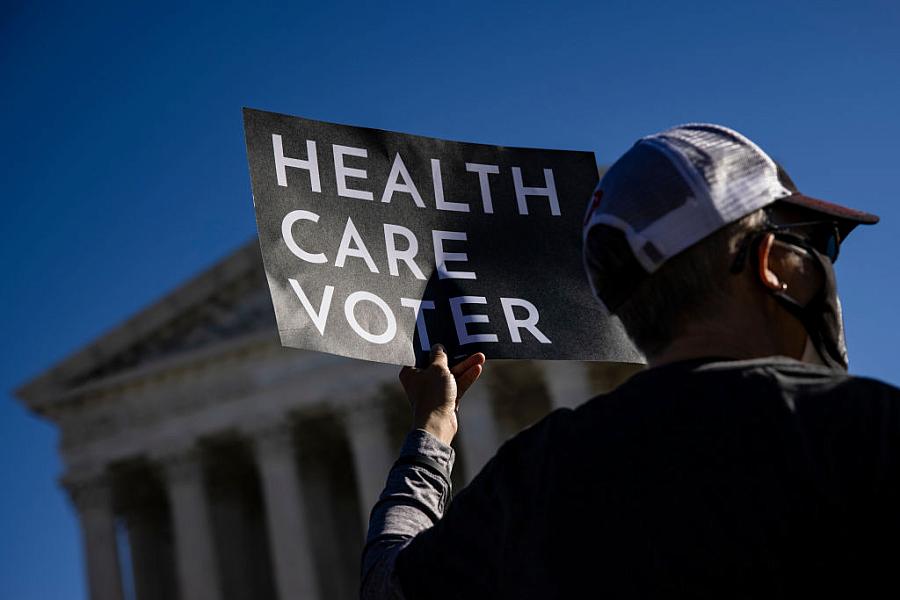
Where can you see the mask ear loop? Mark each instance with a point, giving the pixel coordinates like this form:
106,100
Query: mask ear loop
746,254
778,288
789,303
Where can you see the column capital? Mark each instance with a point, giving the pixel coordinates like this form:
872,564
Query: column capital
271,437
89,490
181,462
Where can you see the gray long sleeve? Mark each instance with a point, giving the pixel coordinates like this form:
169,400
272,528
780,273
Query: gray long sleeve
414,499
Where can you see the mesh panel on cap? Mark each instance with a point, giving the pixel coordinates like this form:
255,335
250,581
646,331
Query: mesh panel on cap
642,186
733,170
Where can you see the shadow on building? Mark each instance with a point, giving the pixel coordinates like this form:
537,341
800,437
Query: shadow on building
205,461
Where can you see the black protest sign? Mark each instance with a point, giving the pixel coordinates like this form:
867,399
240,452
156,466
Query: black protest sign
378,244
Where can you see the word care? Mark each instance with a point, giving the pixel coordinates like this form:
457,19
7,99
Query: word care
378,244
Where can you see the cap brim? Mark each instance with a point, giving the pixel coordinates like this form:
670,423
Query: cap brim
848,217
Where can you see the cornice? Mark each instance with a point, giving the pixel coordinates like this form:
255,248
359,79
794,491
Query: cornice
44,388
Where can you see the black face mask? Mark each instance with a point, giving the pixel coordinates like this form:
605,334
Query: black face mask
822,317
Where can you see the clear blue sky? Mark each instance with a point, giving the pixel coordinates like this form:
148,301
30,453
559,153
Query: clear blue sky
124,171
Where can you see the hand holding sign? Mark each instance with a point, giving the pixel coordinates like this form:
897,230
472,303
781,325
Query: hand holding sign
434,392
376,243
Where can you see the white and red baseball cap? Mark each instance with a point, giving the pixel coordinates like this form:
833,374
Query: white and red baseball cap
676,187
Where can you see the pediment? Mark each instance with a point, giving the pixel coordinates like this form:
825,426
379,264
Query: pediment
225,302
237,308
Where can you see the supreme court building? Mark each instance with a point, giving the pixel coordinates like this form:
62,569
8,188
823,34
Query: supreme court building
206,462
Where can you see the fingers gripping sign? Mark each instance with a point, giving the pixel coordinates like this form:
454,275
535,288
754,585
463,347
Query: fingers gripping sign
434,391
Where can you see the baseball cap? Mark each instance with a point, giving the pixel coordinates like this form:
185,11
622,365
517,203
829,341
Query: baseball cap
676,187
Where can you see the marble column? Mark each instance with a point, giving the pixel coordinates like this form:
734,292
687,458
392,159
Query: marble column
93,500
150,557
289,537
373,455
479,436
198,573
568,383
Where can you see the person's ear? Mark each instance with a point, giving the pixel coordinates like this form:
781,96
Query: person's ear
767,276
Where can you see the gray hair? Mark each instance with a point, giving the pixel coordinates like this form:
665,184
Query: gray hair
691,286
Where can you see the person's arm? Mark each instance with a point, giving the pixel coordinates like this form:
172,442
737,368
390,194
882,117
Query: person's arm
414,499
418,486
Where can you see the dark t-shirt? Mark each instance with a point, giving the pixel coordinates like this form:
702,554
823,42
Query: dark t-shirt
763,478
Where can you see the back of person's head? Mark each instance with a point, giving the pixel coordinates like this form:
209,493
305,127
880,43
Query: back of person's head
673,216
692,286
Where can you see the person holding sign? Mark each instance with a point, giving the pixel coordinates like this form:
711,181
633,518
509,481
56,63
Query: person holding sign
744,462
